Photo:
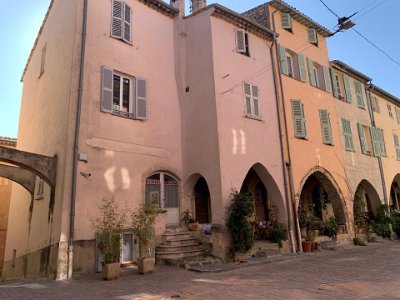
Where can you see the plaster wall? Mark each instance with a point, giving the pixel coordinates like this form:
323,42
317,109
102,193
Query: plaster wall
45,111
243,141
358,166
390,164
311,152
121,152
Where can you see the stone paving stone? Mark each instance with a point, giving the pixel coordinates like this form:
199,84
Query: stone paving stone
371,272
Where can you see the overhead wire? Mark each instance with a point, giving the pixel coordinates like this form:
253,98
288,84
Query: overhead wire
368,11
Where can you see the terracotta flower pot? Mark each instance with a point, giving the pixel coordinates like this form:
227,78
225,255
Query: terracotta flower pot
193,226
307,246
111,271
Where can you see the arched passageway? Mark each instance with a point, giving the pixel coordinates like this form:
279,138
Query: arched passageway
366,200
320,200
395,192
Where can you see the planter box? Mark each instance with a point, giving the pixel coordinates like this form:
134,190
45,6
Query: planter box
111,271
146,265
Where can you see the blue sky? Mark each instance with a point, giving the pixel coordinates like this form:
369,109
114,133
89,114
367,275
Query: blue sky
20,22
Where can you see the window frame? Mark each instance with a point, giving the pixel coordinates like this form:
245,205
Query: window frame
162,195
254,101
121,22
242,42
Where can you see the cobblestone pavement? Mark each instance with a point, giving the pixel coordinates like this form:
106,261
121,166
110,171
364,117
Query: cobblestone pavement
371,272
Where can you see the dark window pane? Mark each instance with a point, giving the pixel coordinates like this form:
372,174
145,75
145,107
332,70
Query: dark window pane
125,95
116,89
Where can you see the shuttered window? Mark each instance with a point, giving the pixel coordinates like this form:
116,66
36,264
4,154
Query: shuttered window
283,59
396,145
327,79
302,67
348,137
242,41
381,141
311,73
251,104
363,140
375,105
118,96
335,84
347,88
375,142
312,36
326,127
299,121
397,115
121,21
390,112
359,94
286,21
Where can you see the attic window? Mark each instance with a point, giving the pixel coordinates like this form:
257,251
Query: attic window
242,42
312,37
286,21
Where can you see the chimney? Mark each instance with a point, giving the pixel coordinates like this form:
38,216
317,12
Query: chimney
179,4
197,4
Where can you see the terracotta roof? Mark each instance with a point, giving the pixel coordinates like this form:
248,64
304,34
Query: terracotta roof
379,91
8,141
237,19
300,17
337,64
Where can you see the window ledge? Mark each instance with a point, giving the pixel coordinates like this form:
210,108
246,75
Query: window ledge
123,114
257,118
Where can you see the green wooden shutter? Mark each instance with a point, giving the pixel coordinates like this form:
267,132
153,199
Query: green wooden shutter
240,40
359,94
141,98
348,137
286,21
397,115
127,23
381,140
298,119
302,67
363,140
106,89
396,146
283,60
325,127
375,143
327,79
312,36
313,80
334,84
347,88
117,17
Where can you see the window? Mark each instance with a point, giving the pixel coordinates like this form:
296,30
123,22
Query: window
389,108
396,145
43,60
381,141
347,89
299,121
397,115
242,42
292,64
368,140
319,76
161,191
286,21
121,21
348,137
312,36
359,94
251,101
375,105
123,95
39,188
337,85
326,127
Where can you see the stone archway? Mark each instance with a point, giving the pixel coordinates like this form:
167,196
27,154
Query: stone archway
395,192
198,198
366,199
321,197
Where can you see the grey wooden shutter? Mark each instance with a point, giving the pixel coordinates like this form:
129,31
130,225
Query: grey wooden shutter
247,98
334,84
325,127
359,95
286,21
127,23
298,119
375,143
327,79
363,140
141,98
347,88
302,67
283,60
348,137
117,19
106,89
240,41
312,36
381,140
254,92
311,74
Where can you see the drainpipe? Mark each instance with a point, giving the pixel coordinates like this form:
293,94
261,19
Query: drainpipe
288,164
368,90
76,142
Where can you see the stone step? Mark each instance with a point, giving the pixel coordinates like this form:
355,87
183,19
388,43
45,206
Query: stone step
179,254
179,242
175,229
175,236
165,248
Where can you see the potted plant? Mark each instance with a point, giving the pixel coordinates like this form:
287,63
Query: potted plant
143,221
303,221
189,221
108,227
